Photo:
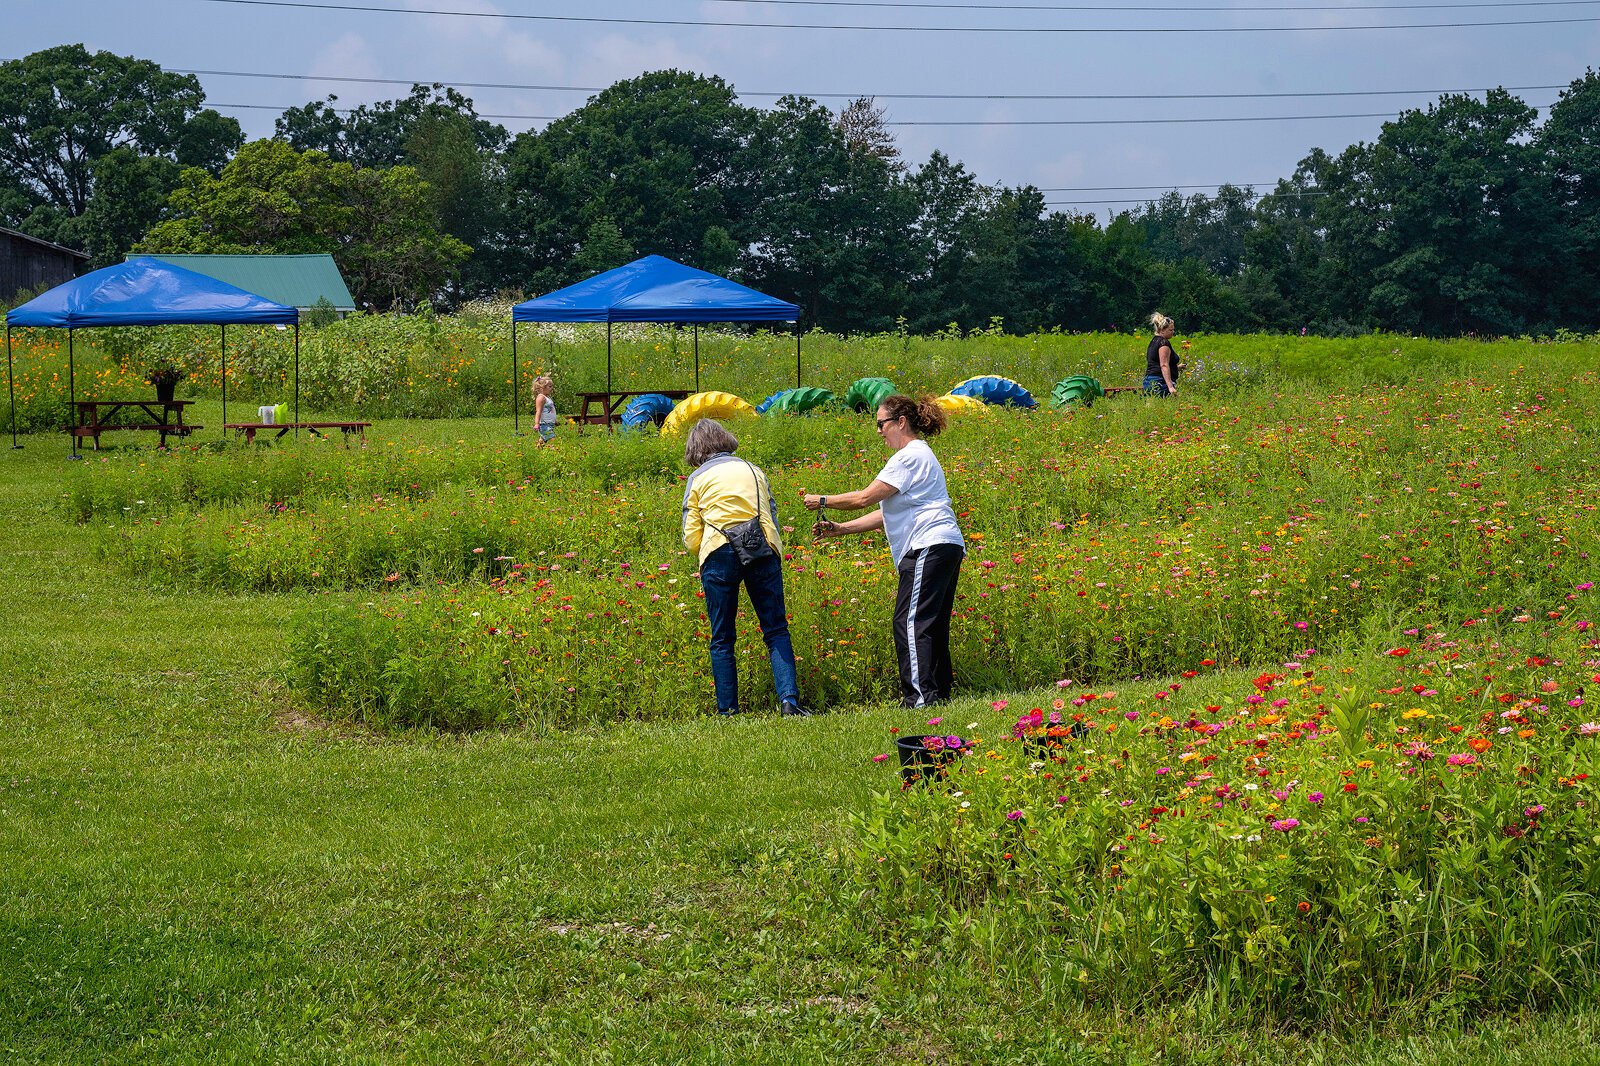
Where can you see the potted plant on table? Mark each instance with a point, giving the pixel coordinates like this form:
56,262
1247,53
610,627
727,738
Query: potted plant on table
165,374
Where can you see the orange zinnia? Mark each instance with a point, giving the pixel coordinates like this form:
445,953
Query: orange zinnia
1480,744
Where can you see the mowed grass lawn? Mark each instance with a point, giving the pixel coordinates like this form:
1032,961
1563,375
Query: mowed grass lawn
193,870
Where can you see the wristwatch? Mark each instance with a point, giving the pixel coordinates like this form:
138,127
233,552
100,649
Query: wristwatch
822,503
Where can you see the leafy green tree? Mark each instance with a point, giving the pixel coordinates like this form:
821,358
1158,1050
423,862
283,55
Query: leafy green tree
62,109
379,135
1442,217
604,248
437,131
1569,146
830,225
378,224
662,155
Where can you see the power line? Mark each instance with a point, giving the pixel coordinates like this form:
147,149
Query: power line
960,122
712,23
1149,7
1292,194
877,96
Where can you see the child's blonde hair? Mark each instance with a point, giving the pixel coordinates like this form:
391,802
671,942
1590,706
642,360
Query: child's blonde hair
543,384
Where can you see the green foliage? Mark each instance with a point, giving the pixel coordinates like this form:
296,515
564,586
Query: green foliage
1247,839
379,225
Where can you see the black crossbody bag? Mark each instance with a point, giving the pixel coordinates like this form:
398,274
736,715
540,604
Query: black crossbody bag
749,540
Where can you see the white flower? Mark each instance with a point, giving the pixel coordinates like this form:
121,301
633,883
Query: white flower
1252,838
965,804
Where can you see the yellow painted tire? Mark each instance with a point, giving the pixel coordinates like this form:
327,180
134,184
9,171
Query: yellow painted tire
957,405
719,405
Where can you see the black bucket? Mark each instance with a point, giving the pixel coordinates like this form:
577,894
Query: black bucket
919,763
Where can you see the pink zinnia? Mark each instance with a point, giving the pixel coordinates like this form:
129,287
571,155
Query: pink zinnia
1461,758
1283,825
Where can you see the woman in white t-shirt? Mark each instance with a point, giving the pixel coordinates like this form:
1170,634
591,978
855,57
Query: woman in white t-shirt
914,512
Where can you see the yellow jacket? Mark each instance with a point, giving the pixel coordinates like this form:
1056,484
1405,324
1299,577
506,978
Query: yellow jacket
721,493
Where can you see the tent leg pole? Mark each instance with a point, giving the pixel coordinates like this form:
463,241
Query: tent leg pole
608,365
11,389
224,349
697,357
72,398
516,386
297,378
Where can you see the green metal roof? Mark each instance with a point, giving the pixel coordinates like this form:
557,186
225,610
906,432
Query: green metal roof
294,280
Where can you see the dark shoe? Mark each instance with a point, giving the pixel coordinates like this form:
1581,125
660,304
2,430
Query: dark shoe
791,709
729,713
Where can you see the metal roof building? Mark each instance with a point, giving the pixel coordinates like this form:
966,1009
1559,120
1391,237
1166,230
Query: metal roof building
295,280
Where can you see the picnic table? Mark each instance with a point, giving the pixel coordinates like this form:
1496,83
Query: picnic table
165,417
611,403
249,429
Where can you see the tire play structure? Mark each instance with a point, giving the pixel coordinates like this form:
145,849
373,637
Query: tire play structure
865,394
1080,388
719,405
995,390
796,401
649,409
956,405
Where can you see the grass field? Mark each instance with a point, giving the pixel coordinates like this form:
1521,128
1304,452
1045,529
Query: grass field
194,867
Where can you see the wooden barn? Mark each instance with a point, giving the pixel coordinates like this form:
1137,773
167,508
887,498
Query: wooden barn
28,264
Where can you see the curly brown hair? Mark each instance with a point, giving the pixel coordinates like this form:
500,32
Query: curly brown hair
923,414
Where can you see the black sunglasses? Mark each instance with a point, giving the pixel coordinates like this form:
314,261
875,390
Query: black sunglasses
895,418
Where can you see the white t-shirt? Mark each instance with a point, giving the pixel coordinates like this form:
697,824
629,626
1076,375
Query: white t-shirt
919,515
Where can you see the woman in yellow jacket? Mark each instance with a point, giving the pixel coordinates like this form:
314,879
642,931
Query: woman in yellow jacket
724,491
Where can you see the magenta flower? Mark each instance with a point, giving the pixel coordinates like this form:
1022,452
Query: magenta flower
1462,758
879,758
1315,797
1014,816
1283,825
952,741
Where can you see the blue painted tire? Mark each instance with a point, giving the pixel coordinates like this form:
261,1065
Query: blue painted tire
996,391
650,409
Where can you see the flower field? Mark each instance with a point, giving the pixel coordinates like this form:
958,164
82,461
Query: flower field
1275,707
1317,840
497,583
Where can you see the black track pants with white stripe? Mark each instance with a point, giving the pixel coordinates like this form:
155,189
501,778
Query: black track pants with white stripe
922,609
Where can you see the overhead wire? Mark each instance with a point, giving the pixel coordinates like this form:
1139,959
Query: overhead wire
514,86
1209,119
1162,7
723,24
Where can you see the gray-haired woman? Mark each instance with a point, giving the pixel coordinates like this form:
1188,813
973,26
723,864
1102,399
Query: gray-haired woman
724,492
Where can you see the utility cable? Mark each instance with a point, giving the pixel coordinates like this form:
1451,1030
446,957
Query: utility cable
956,122
874,96
1075,30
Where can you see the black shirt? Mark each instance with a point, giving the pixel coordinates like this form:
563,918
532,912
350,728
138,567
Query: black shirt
1152,358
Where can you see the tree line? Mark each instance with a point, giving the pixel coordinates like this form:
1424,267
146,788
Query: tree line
1467,216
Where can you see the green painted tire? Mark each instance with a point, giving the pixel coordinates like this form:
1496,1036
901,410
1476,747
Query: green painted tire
866,394
1078,389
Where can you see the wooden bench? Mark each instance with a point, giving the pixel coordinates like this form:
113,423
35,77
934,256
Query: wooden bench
165,417
166,431
250,429
612,404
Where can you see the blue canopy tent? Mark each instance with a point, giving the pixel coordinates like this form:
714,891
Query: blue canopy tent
146,292
652,289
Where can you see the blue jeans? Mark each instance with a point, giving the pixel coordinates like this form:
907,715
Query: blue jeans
720,575
1155,385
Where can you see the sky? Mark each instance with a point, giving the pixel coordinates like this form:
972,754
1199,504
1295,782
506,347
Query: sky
1117,153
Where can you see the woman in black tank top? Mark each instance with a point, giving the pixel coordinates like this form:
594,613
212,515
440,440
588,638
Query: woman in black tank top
1161,363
